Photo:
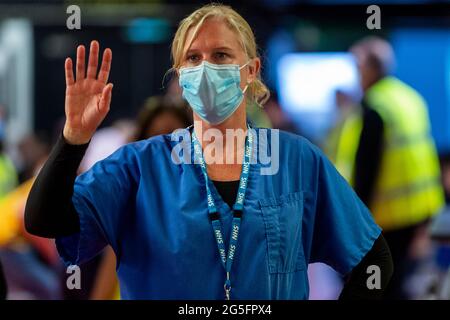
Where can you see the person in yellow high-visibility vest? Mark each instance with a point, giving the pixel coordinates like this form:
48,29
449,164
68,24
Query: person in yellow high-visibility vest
387,153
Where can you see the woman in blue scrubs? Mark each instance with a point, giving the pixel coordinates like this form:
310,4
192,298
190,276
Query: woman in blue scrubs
184,223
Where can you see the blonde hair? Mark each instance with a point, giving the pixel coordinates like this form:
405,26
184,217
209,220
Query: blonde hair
257,90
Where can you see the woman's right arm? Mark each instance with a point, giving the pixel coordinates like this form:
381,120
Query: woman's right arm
49,211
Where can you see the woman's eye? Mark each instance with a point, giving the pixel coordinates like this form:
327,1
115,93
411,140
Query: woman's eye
221,55
193,58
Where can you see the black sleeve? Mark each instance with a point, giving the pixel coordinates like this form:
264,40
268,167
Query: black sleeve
368,155
355,287
3,285
49,211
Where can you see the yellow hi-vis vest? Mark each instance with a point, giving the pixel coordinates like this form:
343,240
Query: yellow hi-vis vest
342,143
8,176
408,188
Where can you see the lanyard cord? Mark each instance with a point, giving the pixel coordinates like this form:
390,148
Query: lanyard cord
227,261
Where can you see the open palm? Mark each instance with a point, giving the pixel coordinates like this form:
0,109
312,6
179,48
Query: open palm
88,97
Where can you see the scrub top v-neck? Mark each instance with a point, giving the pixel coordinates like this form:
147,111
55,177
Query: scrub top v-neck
153,212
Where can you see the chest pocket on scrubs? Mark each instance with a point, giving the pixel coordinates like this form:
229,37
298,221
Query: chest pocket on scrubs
283,222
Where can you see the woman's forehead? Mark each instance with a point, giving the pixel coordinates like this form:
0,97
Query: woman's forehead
214,33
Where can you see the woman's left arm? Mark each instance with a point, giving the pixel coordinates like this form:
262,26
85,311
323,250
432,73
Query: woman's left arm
357,282
344,234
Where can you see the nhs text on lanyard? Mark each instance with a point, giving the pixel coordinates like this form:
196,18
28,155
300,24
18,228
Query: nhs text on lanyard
237,207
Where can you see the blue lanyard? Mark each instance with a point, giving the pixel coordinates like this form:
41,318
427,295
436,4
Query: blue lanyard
227,262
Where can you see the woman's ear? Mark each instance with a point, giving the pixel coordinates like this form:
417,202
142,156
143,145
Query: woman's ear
253,69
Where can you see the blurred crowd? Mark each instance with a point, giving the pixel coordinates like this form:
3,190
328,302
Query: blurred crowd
368,143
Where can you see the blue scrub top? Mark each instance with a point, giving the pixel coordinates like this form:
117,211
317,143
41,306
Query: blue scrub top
154,214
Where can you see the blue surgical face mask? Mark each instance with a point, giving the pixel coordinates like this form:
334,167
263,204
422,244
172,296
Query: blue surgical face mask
213,91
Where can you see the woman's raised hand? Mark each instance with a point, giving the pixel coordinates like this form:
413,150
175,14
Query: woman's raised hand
88,96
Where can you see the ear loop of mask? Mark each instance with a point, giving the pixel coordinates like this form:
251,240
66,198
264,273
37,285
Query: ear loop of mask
248,83
244,65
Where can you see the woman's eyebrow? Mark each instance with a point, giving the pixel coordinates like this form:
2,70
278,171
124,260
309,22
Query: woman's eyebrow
191,51
223,49
219,48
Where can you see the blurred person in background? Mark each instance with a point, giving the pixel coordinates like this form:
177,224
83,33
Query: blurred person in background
28,260
396,168
8,179
162,115
8,174
440,233
445,169
33,151
31,264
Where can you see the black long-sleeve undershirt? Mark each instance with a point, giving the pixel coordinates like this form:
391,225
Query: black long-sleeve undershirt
3,285
50,213
355,287
369,154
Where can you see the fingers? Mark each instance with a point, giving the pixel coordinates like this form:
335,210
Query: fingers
80,62
93,63
93,60
105,100
68,67
106,66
